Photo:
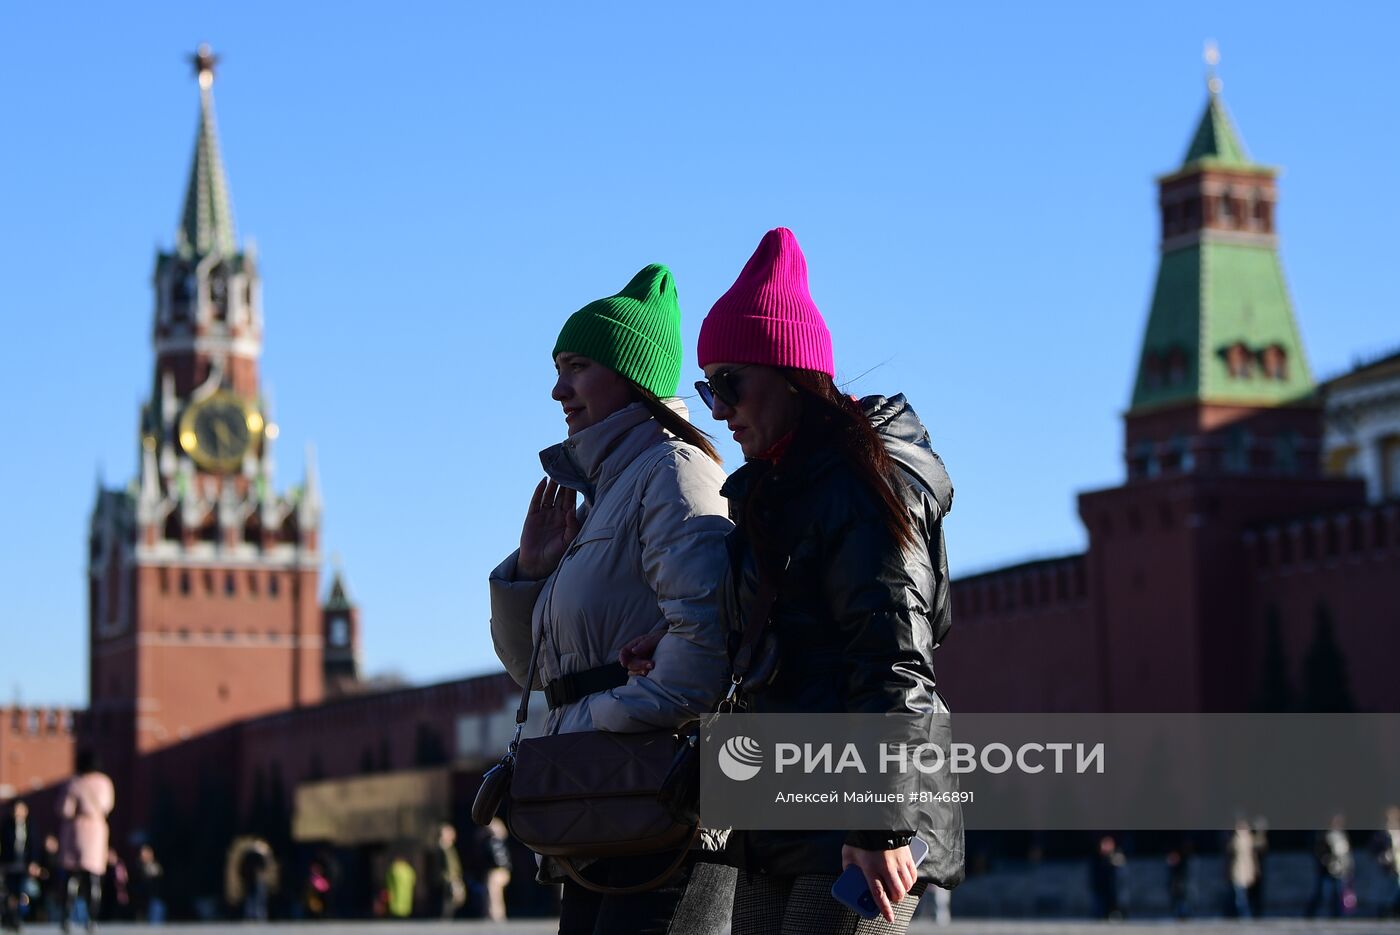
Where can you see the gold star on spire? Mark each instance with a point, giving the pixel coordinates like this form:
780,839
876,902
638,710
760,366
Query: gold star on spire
1212,57
204,61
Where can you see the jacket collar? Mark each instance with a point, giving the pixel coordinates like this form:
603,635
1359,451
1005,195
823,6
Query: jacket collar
802,462
590,460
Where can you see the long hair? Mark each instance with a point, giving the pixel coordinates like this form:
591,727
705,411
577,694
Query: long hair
675,423
830,418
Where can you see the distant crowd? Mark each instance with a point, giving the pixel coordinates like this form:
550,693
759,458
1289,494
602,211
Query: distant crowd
76,877
1245,873
434,882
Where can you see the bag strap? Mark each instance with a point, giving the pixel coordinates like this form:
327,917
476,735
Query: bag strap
749,639
654,882
522,711
753,627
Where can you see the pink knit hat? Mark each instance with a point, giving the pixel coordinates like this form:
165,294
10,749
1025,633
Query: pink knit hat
768,316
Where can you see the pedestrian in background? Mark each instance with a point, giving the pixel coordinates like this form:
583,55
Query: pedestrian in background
1179,881
147,902
50,872
116,890
87,799
447,889
1105,879
400,880
17,865
1242,868
316,898
1388,855
1332,886
493,857
255,872
1261,859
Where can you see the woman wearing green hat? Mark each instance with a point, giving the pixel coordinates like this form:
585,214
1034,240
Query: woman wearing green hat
643,554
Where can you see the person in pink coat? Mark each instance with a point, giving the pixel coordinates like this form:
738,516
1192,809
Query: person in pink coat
87,800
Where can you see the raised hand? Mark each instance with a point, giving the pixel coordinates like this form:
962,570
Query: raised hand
551,523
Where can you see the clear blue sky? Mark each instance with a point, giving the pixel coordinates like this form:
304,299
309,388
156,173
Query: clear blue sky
435,187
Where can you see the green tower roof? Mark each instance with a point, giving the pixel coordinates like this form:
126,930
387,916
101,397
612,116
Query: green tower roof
1221,328
206,224
1210,298
339,597
1216,140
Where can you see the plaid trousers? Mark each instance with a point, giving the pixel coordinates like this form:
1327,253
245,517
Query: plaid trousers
766,905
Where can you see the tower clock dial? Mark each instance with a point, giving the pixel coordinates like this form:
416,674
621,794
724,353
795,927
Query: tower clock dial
217,432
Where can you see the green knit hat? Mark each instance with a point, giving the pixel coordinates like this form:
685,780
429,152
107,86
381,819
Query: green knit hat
636,332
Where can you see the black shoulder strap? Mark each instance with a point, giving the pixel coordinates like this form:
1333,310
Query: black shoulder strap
754,626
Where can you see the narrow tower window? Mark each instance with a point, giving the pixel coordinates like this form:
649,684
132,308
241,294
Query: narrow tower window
1237,359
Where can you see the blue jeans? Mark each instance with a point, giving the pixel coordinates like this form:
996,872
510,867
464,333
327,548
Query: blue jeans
88,886
1242,902
1328,891
255,903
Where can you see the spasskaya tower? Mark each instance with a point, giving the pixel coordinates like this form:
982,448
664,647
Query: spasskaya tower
203,577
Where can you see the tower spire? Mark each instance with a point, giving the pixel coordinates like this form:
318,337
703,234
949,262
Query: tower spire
1215,138
206,224
1222,345
1212,57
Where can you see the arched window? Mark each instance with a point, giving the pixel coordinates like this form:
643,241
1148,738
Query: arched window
1176,366
1141,462
1152,370
1185,456
1237,359
218,291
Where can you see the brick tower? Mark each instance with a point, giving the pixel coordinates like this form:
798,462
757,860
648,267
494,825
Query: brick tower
1224,431
340,625
203,579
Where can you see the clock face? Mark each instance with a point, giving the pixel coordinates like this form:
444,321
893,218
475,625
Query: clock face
218,431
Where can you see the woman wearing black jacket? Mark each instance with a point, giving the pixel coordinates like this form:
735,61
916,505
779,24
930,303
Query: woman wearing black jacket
839,508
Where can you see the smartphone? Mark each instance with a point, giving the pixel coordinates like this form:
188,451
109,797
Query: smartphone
850,889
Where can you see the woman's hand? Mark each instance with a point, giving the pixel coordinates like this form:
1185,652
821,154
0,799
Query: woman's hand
889,874
551,523
636,655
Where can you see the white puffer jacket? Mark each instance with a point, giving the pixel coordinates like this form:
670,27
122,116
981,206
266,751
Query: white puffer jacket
650,554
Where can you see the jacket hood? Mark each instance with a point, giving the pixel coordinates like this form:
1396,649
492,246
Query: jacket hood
908,445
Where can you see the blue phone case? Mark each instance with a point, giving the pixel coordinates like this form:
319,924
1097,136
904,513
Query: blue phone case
851,890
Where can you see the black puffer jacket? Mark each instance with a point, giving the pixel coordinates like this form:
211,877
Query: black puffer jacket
856,618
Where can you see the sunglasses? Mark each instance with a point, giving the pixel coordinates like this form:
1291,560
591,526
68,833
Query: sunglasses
721,386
